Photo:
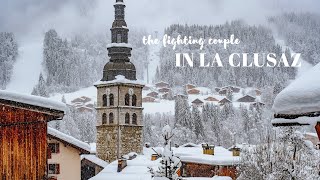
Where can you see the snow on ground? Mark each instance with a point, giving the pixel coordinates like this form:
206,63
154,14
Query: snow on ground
163,106
301,96
90,92
27,69
154,62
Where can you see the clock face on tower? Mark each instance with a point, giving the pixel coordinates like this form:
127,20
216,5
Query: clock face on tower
108,91
131,91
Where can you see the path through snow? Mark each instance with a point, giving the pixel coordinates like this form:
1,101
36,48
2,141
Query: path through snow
27,69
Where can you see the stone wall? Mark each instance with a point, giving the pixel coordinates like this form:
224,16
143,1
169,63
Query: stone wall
107,138
130,134
131,139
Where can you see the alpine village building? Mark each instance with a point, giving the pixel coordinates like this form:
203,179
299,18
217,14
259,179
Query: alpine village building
119,97
23,135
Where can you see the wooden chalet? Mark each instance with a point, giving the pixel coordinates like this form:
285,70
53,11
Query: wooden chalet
194,91
81,100
148,99
258,104
164,90
211,99
162,85
190,86
224,101
197,103
91,165
225,89
298,103
146,88
23,135
247,99
153,94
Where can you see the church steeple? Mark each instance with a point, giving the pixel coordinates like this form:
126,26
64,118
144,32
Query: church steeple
119,50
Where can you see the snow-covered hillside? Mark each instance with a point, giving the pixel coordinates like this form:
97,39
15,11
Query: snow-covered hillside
27,68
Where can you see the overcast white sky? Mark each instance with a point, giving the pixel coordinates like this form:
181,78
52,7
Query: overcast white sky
68,16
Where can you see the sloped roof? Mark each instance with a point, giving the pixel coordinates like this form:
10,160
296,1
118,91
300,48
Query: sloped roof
94,159
301,96
244,99
197,101
33,103
224,100
75,143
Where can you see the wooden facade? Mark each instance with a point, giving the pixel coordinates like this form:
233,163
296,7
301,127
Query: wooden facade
189,169
23,140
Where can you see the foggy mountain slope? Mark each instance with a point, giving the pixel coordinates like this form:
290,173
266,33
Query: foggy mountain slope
27,68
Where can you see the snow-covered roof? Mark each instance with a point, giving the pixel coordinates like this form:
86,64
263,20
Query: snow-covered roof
126,45
69,139
94,159
297,121
213,178
32,100
301,96
221,156
120,79
137,169
93,148
197,101
119,3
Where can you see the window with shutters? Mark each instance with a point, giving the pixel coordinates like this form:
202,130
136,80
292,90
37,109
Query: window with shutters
54,169
54,148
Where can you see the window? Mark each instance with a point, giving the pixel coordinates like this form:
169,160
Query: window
127,100
54,169
127,118
111,118
54,148
104,100
104,118
134,119
118,38
111,99
134,100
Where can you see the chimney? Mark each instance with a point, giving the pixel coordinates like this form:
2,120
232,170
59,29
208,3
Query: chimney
235,151
208,149
154,157
122,163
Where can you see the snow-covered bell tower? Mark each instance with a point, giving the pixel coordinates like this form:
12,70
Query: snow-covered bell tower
119,98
